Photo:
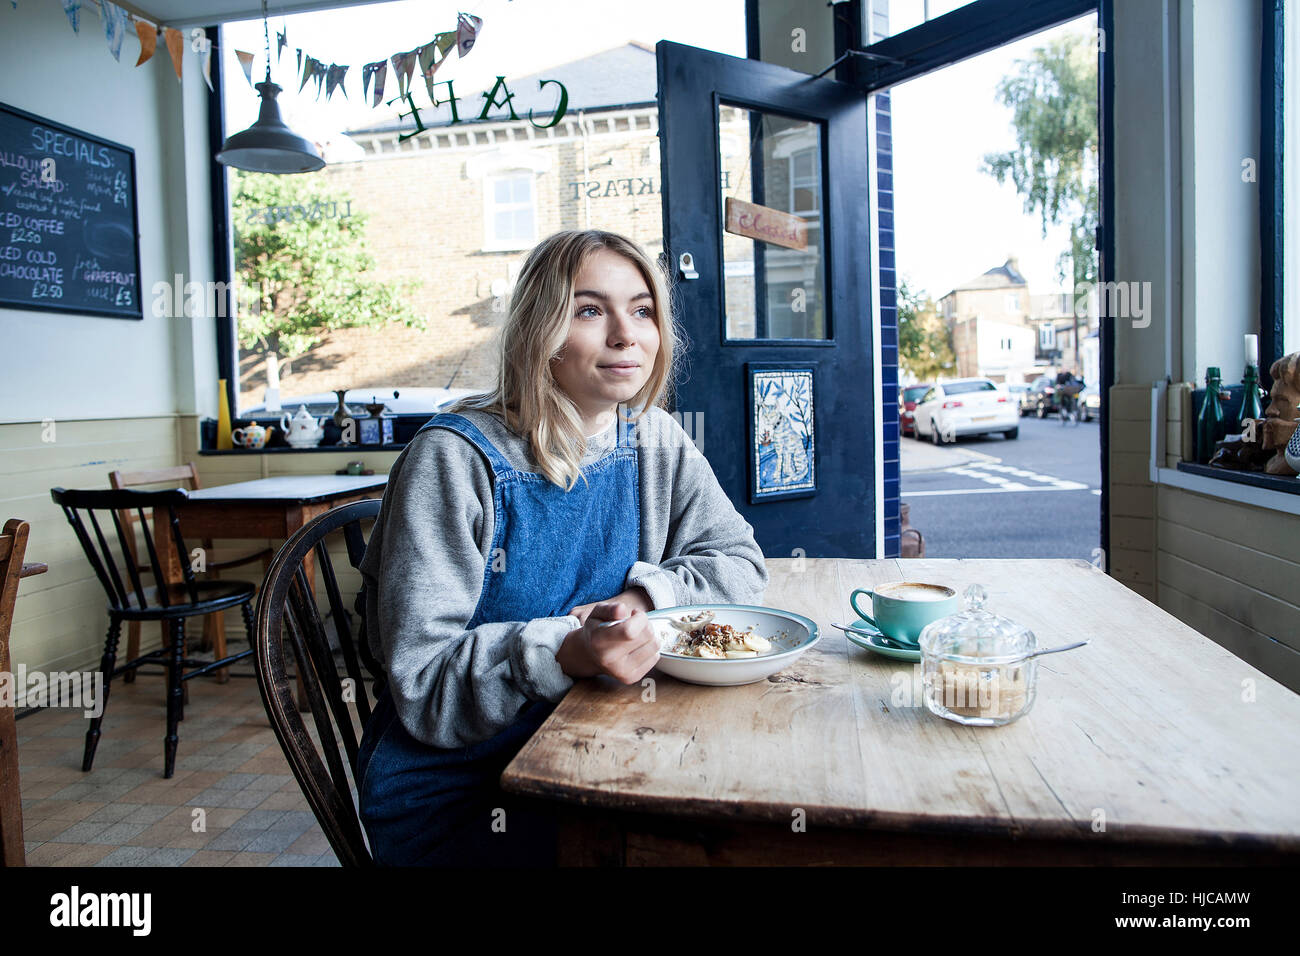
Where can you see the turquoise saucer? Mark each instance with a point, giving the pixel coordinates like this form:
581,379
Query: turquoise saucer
876,642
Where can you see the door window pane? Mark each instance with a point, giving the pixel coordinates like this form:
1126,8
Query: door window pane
774,287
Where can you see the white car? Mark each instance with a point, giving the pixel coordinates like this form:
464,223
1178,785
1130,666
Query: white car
967,406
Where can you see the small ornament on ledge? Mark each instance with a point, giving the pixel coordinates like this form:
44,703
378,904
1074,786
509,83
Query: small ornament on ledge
1282,413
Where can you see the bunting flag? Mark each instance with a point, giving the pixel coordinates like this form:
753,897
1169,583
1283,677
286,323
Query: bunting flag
467,28
246,61
379,70
299,49
114,18
403,67
281,41
445,41
207,62
334,80
175,41
312,69
73,9
148,34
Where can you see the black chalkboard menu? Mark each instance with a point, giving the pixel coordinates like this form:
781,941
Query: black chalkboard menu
69,239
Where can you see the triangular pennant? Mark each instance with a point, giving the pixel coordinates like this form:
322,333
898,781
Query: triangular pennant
73,9
306,71
403,67
246,61
114,18
445,41
299,49
175,41
281,41
148,34
467,29
207,66
334,80
318,74
378,70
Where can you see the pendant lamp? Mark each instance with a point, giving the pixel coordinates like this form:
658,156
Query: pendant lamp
269,146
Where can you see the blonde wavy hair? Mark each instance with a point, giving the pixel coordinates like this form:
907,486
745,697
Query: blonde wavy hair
527,396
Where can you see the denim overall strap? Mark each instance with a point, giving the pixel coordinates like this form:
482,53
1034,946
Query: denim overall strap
497,463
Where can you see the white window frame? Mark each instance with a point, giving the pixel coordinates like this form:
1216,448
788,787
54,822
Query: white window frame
1046,342
491,207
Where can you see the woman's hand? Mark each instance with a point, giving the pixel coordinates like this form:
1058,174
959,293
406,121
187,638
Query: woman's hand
636,596
625,651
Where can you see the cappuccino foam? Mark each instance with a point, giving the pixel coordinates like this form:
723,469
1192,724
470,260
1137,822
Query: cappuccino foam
907,591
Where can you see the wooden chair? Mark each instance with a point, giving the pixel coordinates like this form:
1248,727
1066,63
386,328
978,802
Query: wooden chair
13,544
289,626
214,629
131,600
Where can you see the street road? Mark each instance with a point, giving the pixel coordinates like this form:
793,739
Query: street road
1037,496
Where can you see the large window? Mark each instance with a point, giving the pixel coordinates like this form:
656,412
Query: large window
393,267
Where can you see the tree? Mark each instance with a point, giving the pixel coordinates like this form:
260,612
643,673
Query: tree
1054,167
924,339
304,269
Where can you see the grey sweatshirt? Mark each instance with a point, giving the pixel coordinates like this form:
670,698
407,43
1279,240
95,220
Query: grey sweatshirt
424,567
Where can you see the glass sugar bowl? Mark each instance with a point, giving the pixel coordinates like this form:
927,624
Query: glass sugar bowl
971,670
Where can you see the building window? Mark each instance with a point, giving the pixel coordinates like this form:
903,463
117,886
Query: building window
510,216
1047,336
1013,304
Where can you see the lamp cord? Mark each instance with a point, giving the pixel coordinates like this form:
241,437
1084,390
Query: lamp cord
266,33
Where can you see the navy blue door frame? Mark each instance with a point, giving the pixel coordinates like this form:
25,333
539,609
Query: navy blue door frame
874,67
838,517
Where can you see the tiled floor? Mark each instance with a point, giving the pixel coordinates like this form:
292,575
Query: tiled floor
231,802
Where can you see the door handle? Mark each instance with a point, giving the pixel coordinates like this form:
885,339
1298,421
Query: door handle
686,266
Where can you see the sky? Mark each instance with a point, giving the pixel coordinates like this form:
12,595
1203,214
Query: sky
953,222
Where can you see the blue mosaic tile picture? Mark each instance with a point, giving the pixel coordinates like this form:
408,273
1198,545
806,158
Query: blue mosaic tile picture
781,433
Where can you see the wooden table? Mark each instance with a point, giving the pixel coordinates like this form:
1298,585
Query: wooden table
267,508
1151,745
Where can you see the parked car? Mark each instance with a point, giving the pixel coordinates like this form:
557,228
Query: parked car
1019,392
907,399
968,406
415,400
1041,399
1090,402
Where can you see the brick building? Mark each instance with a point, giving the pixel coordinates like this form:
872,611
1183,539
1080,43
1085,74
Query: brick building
457,207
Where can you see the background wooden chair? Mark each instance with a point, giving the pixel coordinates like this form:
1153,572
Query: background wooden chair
130,600
214,631
13,544
289,626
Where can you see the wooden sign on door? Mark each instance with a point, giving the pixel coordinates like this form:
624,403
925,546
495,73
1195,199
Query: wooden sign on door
768,225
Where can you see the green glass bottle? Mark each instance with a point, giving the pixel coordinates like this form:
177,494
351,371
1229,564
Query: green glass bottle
1250,406
1211,424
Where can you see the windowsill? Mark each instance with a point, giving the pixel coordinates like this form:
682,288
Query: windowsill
1249,488
290,450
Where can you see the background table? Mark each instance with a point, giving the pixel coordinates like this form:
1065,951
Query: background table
267,508
1151,745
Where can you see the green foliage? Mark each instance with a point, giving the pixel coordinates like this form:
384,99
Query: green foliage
924,339
1054,167
306,272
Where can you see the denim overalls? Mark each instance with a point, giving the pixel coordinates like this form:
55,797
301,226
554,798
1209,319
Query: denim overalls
424,805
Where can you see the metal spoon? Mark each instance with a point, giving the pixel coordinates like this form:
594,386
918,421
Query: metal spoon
1050,650
876,635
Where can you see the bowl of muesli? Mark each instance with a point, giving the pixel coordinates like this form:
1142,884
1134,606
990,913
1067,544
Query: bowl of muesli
721,645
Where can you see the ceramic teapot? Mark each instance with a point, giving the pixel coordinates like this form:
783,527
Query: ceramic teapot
303,430
251,436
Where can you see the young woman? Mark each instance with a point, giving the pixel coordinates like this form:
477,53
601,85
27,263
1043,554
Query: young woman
523,536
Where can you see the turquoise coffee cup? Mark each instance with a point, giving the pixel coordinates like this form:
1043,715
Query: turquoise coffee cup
902,610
